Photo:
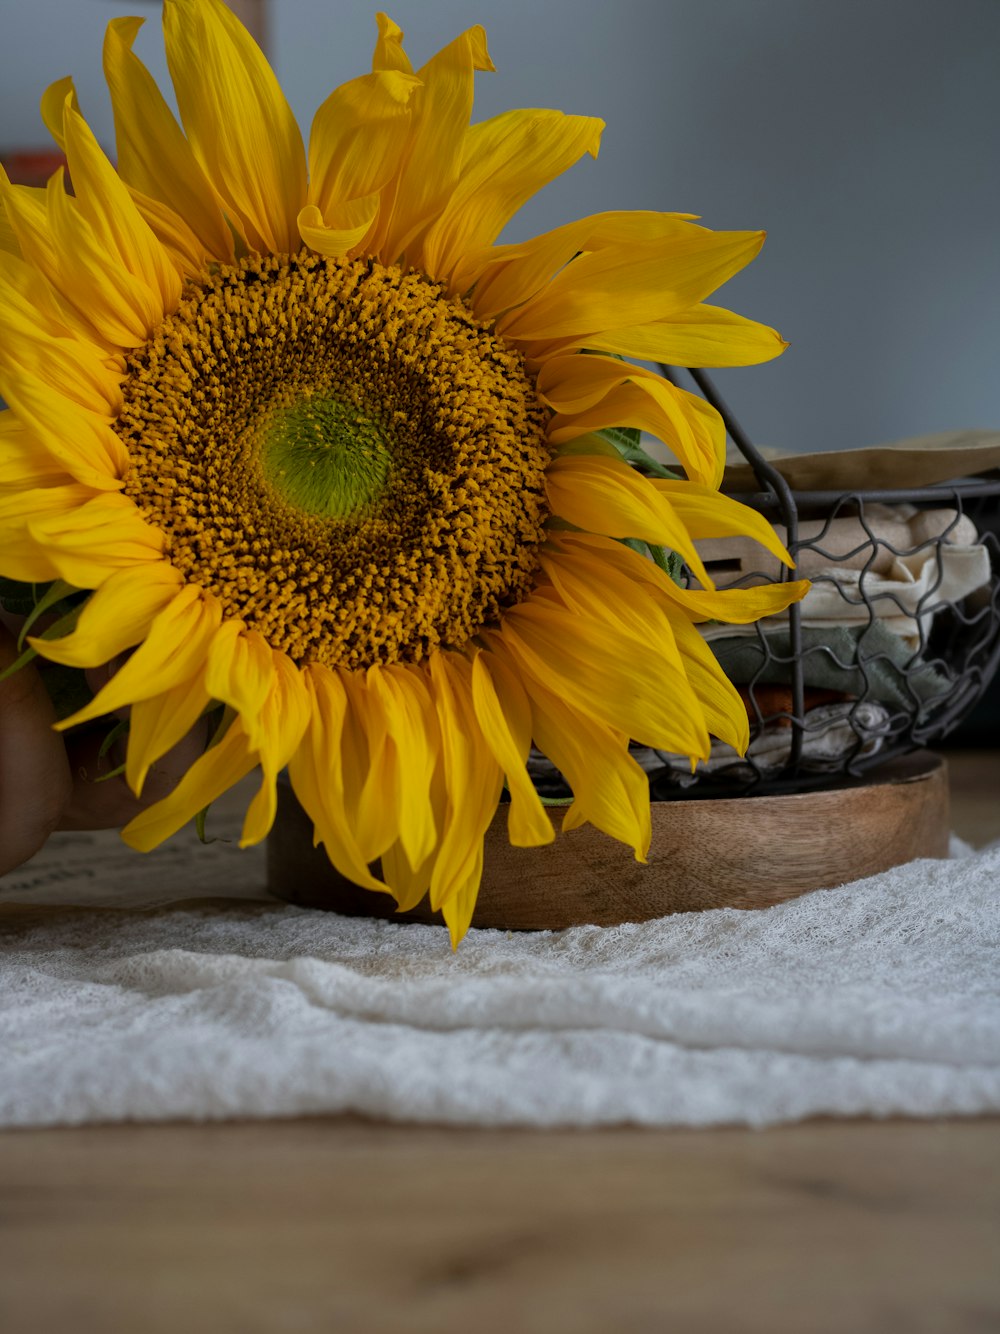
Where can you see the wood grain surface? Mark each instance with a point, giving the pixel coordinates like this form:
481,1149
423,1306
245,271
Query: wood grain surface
747,852
345,1226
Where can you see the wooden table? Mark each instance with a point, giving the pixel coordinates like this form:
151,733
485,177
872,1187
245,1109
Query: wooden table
338,1224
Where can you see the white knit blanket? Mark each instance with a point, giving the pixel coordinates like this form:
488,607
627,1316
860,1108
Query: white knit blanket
877,998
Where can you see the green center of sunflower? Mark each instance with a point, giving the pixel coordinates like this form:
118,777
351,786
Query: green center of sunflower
326,458
345,456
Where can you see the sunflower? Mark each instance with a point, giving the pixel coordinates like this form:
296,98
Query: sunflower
321,453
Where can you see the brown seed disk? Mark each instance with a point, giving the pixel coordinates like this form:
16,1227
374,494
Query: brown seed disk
451,537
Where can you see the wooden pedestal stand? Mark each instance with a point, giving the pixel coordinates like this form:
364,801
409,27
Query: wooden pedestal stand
746,852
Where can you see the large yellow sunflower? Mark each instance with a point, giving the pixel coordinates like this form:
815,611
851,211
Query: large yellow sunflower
328,456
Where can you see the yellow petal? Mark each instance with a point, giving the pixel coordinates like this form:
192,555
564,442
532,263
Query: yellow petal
433,163
609,788
116,616
373,775
98,298
510,275
612,676
389,53
22,556
594,588
24,464
410,731
707,514
408,886
154,158
105,534
237,120
591,393
473,781
505,161
358,136
8,241
588,583
737,606
213,773
104,201
23,288
34,338
240,672
286,716
25,220
157,725
119,308
53,108
458,908
342,232
81,440
24,559
700,336
317,772
503,712
19,506
187,253
620,286
604,495
173,651
724,710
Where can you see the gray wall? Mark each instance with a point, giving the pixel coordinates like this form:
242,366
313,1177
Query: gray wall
863,134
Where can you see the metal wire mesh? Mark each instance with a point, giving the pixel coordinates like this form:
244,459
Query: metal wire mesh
894,669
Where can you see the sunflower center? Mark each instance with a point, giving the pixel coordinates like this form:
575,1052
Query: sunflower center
326,457
344,455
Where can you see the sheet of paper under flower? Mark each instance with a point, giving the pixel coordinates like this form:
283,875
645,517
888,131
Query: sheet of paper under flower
879,998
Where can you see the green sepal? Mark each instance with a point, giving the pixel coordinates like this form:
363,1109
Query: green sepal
669,562
199,826
627,442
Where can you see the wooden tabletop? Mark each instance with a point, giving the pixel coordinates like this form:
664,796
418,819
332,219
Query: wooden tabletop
340,1224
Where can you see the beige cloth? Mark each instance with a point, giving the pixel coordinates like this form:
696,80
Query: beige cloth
852,562
876,999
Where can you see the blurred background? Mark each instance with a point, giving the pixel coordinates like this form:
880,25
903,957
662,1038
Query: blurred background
862,134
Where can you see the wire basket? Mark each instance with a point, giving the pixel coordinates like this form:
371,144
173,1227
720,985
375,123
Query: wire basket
894,670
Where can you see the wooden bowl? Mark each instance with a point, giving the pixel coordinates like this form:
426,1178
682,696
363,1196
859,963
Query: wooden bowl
744,852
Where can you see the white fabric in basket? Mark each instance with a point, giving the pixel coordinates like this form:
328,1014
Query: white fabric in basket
880,998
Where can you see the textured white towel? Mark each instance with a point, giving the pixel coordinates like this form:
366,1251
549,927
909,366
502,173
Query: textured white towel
879,997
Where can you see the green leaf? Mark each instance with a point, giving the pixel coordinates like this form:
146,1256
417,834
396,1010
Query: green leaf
61,627
119,730
56,592
18,598
628,443
67,687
